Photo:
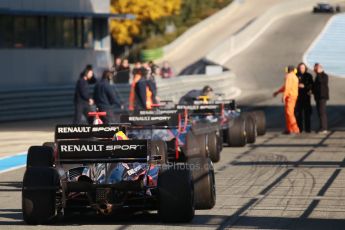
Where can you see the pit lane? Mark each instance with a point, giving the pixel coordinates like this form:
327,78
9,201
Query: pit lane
281,182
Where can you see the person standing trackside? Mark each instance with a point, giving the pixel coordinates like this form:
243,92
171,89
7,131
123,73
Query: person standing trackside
166,71
303,106
106,98
145,91
321,95
132,96
82,99
290,94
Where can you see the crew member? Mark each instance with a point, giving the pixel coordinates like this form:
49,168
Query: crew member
145,91
303,106
136,78
321,95
106,99
290,94
82,99
193,95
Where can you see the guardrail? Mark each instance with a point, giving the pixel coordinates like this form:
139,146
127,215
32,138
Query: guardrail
238,42
29,104
54,102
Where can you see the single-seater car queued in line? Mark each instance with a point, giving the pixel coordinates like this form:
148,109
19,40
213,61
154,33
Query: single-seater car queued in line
326,8
254,121
97,167
237,128
186,142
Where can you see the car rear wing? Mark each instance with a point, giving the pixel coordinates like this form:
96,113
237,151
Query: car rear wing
71,132
164,104
83,151
159,121
202,109
157,112
153,120
228,104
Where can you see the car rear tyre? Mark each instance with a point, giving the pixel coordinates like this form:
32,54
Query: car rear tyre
176,195
49,144
40,156
202,144
250,129
236,133
204,182
214,147
260,119
195,145
39,195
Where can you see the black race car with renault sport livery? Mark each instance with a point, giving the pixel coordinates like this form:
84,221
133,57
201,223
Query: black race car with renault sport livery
98,168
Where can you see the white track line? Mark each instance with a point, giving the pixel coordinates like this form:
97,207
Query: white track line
16,154
15,167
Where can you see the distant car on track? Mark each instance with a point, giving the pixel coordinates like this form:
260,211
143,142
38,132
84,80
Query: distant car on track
326,8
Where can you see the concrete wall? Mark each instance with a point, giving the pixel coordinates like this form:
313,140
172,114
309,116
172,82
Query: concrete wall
99,6
29,68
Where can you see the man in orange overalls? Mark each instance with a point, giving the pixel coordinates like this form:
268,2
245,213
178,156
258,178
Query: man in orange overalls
136,78
143,91
290,94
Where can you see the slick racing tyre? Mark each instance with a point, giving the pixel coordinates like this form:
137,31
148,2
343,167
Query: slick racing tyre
260,119
202,144
236,136
204,182
40,156
49,144
250,129
176,194
195,145
214,147
39,195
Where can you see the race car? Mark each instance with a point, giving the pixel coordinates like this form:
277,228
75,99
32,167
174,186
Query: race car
238,127
98,168
204,131
325,8
187,143
259,117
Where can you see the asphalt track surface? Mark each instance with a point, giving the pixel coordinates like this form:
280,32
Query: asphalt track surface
260,68
281,182
190,51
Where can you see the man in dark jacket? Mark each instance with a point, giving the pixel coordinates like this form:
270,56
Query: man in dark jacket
145,91
321,95
82,99
191,96
106,98
303,106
